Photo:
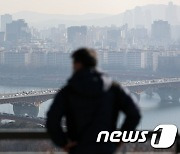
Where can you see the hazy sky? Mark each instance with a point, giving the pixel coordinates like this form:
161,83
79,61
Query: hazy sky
75,6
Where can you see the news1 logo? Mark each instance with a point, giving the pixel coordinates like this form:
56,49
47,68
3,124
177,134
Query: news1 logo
167,137
163,136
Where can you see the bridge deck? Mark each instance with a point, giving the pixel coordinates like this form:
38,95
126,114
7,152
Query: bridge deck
39,96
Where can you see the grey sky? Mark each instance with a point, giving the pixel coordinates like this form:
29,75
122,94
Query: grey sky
75,6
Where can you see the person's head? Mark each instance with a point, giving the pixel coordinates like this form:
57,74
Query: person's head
84,58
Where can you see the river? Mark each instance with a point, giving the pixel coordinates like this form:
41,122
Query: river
152,113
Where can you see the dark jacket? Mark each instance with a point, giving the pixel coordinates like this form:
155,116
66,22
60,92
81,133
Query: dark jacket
90,103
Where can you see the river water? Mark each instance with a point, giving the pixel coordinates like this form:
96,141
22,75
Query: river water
152,113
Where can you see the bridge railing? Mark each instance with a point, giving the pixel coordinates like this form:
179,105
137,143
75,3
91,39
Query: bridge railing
53,91
150,82
39,141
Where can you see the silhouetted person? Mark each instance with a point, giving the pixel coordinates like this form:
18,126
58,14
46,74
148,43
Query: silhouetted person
90,103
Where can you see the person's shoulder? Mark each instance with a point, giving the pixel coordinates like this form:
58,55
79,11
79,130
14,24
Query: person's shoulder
116,85
64,90
118,88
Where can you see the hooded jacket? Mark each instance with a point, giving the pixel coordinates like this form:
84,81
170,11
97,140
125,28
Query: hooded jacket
90,103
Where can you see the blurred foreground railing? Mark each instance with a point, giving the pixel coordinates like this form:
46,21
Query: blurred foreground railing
39,141
37,134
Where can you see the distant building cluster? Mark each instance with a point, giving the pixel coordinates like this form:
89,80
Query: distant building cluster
114,60
129,46
17,32
14,30
35,59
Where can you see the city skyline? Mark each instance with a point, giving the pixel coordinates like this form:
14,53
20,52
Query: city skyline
86,7
129,40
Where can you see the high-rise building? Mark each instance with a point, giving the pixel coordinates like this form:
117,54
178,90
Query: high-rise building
1,56
175,30
171,13
169,64
77,36
139,33
148,19
16,58
38,59
161,30
60,59
18,31
135,59
151,60
5,19
113,38
128,18
138,16
2,36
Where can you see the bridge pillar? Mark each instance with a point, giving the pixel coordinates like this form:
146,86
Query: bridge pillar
176,96
137,95
149,93
26,109
169,95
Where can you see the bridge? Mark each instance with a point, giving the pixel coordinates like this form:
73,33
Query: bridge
167,88
28,102
28,97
